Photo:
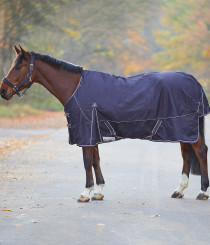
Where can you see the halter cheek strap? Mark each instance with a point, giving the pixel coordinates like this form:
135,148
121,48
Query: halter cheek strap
16,88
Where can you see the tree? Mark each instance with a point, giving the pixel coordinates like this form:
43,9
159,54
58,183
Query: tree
184,38
18,19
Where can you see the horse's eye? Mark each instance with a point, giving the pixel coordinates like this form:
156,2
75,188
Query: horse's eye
18,67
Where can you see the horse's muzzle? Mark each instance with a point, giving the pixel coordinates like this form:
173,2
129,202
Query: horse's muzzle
4,95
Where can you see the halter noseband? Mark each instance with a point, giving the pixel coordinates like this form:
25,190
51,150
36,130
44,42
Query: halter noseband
15,88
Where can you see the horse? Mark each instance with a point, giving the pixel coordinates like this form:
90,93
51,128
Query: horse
158,118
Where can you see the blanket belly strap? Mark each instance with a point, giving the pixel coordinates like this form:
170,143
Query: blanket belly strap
154,130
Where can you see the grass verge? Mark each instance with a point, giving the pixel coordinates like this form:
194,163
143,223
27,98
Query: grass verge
18,110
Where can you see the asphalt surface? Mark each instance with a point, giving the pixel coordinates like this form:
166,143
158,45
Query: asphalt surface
41,181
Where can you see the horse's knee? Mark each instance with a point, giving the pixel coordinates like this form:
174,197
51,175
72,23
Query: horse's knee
96,162
88,162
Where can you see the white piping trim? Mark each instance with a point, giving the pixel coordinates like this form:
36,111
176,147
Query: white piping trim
154,131
176,141
113,131
202,101
158,126
80,80
108,127
163,118
154,127
91,129
164,141
98,125
142,120
81,110
91,133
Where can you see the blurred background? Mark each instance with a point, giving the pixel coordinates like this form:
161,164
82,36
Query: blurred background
123,37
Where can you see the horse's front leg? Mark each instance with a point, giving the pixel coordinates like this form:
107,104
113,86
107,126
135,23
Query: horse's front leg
99,177
88,154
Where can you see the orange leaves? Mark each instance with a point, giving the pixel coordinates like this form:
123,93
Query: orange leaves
133,67
184,37
155,215
135,55
71,32
10,145
206,52
136,38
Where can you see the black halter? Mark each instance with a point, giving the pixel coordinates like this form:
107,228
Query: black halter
15,88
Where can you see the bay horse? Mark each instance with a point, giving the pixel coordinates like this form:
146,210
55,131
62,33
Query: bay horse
63,80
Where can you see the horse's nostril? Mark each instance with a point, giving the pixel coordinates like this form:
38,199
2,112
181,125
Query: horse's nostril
3,91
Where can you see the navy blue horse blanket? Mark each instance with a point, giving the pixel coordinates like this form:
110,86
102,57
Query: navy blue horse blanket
157,106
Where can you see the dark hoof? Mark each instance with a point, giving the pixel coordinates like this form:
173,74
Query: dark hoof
97,197
177,195
83,199
202,196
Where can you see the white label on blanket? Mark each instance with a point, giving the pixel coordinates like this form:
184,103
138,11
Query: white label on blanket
107,139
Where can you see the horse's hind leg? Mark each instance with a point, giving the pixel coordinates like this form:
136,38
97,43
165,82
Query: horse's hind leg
99,177
178,193
200,150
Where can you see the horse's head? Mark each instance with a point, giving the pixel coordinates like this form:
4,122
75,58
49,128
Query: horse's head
19,75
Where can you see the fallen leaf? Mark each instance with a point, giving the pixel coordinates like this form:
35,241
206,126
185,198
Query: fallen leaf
155,215
9,210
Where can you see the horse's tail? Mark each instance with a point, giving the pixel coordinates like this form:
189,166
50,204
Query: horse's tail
193,160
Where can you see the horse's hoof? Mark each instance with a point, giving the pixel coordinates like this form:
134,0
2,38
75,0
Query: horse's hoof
202,196
177,195
83,199
97,197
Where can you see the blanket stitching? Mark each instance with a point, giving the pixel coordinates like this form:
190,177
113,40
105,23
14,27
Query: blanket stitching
108,127
78,86
113,131
81,110
98,125
91,129
163,118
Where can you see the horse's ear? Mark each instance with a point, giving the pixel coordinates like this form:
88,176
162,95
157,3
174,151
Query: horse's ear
23,52
17,50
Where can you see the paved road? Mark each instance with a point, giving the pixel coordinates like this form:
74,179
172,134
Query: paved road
41,181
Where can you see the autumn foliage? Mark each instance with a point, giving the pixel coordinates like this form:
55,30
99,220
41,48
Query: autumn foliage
119,37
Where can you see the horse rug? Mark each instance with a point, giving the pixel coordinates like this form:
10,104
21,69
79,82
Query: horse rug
157,106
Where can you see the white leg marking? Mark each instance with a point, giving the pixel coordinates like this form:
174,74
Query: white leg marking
87,192
98,189
203,192
183,183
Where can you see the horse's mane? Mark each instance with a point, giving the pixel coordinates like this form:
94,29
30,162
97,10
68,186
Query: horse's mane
57,62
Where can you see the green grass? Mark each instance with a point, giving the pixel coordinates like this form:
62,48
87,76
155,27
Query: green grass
18,110
208,96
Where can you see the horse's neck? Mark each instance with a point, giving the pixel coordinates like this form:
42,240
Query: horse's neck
59,82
